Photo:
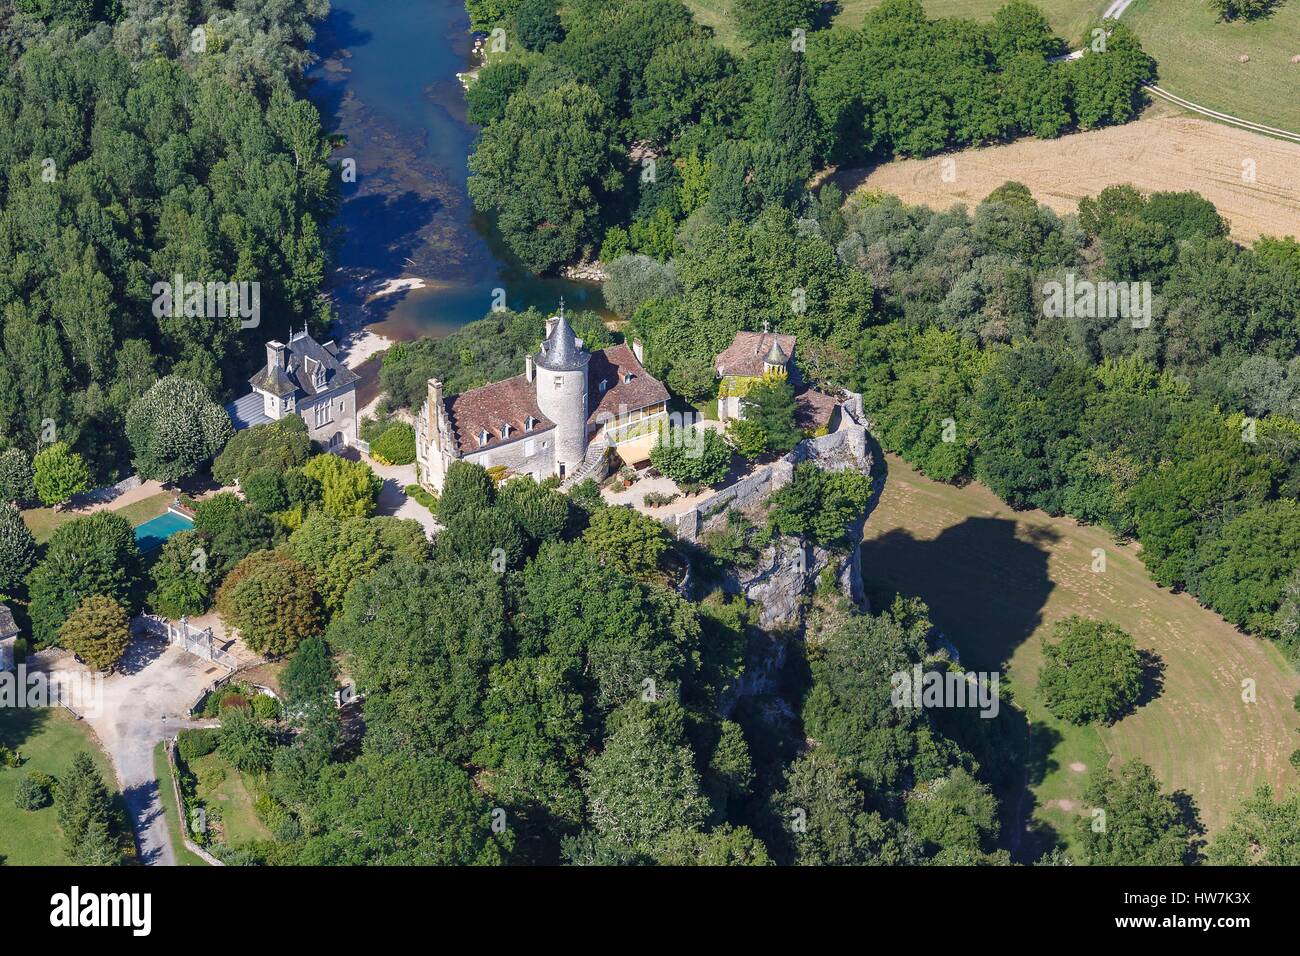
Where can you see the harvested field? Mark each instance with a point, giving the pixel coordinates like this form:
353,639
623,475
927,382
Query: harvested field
1158,152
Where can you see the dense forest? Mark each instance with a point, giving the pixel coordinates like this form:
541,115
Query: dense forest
610,127
538,684
141,139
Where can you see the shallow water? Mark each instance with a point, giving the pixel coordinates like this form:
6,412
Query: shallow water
386,80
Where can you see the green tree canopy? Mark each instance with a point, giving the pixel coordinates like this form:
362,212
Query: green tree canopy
1092,671
58,474
97,631
175,428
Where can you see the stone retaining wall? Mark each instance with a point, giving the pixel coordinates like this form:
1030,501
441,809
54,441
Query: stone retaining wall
842,449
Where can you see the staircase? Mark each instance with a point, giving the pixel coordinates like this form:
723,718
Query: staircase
591,462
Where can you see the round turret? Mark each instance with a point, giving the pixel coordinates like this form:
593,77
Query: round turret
562,392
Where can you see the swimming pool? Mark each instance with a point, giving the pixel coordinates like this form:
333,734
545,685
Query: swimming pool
153,533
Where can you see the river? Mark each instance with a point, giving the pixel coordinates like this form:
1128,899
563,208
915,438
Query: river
387,81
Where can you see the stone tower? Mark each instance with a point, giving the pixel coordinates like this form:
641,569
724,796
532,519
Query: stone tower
561,385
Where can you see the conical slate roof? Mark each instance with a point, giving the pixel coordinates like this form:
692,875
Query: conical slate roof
774,355
561,352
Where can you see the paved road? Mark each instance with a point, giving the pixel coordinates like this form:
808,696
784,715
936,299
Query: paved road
147,700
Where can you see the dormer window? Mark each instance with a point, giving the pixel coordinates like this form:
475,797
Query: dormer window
530,423
627,377
601,387
319,376
483,437
505,431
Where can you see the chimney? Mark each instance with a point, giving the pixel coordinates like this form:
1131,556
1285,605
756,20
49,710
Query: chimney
433,414
550,326
530,370
638,351
274,354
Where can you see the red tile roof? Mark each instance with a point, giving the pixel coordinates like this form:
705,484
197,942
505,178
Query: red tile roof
512,400
613,366
813,409
508,402
744,356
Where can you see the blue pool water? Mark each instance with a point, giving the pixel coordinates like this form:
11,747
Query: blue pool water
153,533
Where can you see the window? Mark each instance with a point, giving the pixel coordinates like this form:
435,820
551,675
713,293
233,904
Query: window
559,382
319,376
505,431
322,413
530,424
601,386
482,437
627,377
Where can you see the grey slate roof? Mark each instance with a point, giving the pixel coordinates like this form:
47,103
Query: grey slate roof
561,352
774,355
247,411
303,355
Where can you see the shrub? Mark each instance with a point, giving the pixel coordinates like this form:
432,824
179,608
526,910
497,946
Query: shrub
735,543
819,504
31,793
692,456
10,758
430,501
232,701
196,742
244,743
396,446
266,707
657,499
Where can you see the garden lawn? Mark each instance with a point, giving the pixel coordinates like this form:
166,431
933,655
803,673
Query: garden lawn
163,771
996,580
43,522
222,789
48,739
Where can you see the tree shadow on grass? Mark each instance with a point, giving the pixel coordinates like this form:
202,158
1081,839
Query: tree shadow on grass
19,724
985,583
1153,678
